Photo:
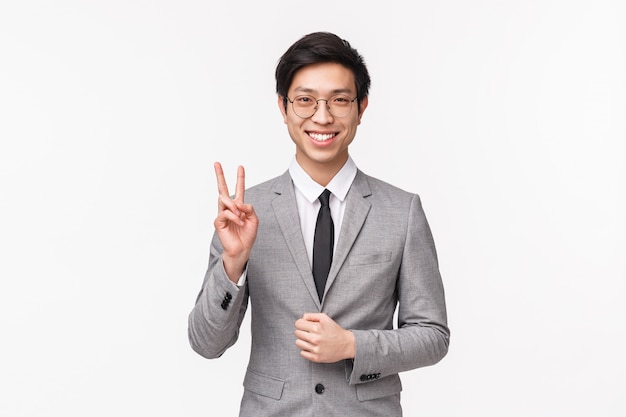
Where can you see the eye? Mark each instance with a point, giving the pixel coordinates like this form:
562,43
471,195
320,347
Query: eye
304,100
341,100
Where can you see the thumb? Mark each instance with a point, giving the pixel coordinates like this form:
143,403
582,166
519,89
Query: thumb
312,316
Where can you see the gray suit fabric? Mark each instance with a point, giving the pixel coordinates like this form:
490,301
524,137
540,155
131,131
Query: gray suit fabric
385,258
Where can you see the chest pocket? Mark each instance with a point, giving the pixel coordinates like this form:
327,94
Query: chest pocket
369,258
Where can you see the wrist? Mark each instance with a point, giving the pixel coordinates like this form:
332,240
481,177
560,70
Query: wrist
351,346
234,267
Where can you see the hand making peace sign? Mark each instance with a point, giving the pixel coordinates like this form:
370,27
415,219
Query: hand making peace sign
236,224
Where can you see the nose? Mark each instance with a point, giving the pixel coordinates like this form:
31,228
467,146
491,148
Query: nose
322,113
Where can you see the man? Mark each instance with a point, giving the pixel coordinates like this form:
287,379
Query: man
323,340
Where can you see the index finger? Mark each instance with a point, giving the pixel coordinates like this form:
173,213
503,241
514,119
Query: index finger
222,188
303,325
241,184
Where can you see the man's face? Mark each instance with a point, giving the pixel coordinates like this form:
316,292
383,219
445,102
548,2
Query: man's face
322,140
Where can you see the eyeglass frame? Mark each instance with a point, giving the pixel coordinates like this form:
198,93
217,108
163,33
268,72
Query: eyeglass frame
317,104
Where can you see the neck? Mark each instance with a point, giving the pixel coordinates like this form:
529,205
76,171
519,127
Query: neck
322,172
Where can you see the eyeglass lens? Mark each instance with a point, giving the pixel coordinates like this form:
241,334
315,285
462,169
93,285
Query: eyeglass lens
305,106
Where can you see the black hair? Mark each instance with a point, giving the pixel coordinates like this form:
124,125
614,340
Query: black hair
320,47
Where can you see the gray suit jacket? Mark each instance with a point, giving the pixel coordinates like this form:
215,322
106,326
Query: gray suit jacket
385,257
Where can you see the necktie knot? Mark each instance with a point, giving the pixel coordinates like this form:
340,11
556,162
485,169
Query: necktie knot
324,197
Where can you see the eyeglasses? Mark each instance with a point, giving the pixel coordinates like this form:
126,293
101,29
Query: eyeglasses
305,106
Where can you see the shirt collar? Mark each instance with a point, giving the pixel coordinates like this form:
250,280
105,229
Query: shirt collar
339,185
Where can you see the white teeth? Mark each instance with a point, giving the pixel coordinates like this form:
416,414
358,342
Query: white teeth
321,138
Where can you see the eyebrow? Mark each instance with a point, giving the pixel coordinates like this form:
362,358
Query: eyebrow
333,92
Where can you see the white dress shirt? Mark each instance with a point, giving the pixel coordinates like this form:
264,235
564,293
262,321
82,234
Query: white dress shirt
307,193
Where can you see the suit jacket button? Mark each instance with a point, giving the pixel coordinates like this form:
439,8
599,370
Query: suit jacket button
363,378
319,388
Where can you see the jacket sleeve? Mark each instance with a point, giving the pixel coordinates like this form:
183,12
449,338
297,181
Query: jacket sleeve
422,336
220,307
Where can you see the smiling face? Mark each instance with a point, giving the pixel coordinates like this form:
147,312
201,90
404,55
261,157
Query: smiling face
322,140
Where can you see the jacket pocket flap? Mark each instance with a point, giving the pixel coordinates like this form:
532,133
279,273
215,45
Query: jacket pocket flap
264,385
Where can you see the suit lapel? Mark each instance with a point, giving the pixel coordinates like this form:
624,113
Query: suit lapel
286,211
357,208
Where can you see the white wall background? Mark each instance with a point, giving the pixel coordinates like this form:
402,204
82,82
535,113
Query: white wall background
507,117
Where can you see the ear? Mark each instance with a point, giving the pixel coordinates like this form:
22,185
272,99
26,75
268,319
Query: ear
362,107
281,107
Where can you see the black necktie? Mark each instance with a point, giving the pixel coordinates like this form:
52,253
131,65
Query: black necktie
323,243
